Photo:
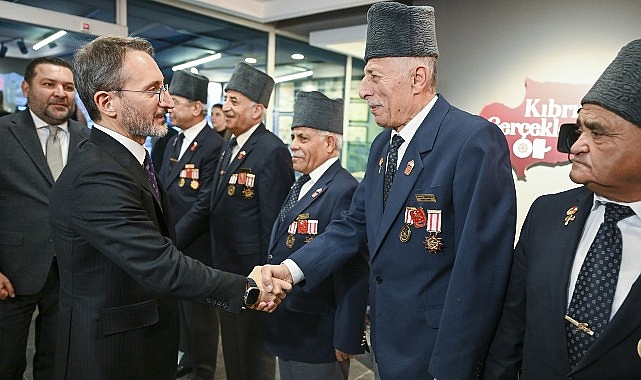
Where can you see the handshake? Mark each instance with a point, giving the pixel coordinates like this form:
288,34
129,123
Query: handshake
274,281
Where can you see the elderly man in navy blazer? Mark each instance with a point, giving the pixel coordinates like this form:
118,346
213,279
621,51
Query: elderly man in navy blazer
189,164
436,207
572,308
315,334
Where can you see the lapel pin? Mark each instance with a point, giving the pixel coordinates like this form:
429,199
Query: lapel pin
570,214
380,165
193,146
241,154
409,167
317,192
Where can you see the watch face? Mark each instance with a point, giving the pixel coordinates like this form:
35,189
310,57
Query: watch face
252,296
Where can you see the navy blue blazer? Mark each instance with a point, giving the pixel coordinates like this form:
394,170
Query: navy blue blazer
183,190
531,335
119,271
26,248
241,215
307,326
432,314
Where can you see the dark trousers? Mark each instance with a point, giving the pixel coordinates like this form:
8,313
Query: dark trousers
199,333
245,357
15,320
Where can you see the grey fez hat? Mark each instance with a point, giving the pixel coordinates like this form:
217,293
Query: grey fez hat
398,30
315,110
190,86
251,82
618,89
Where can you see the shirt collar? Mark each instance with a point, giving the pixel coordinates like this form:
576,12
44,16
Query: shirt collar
136,149
321,169
242,139
408,131
601,201
39,123
191,133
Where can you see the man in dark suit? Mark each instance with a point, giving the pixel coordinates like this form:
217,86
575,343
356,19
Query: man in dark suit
315,334
28,268
254,175
547,330
436,208
189,164
120,274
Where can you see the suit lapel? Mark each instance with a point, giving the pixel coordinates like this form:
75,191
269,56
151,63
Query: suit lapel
306,201
25,132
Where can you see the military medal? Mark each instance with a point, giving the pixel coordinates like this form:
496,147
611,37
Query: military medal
194,184
418,217
312,230
248,191
181,182
570,214
409,167
432,241
406,231
291,230
231,188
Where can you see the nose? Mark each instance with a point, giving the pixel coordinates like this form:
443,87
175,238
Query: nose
580,145
166,100
59,90
364,89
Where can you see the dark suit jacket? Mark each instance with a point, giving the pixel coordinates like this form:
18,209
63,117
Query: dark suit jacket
531,334
432,314
203,154
241,223
307,327
26,248
119,270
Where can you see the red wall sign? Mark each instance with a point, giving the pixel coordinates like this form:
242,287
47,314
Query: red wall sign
532,128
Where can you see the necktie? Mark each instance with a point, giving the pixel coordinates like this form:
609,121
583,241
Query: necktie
230,148
54,152
292,198
176,145
390,169
591,301
151,175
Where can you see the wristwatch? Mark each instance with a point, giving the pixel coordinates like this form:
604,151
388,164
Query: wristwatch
251,293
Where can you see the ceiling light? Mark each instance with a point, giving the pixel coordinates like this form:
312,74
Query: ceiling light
297,56
194,70
300,75
22,46
49,39
250,60
3,51
197,62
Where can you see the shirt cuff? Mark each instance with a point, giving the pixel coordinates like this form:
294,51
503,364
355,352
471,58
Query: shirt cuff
294,270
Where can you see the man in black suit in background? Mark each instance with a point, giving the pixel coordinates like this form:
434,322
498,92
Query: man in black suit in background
28,268
254,175
120,273
189,164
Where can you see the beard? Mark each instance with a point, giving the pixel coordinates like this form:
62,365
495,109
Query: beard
139,125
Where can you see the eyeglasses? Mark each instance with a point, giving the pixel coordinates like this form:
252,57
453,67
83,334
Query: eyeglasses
160,92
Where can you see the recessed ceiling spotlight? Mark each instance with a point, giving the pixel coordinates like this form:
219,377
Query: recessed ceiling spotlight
251,60
298,56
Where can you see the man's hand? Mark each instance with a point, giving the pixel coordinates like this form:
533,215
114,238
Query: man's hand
272,274
269,300
6,288
341,356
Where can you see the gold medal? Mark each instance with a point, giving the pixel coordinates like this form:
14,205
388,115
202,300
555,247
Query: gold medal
231,190
181,182
405,234
248,193
194,184
433,243
290,241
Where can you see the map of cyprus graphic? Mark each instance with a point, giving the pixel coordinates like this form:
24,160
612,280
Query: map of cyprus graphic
532,128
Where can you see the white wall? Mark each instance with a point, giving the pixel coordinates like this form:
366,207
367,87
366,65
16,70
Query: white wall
489,47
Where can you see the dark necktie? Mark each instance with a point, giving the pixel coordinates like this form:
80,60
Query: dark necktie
390,170
176,145
292,198
230,148
151,175
591,301
54,152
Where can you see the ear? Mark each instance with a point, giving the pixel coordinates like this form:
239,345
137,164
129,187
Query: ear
420,79
258,111
196,108
105,102
330,143
25,88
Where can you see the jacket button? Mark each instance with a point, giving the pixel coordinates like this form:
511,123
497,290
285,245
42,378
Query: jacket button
270,257
379,280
